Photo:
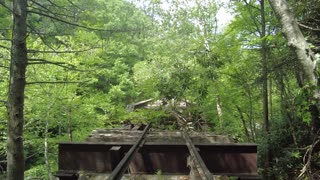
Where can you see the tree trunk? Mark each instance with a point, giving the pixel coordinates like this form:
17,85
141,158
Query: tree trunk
219,110
304,54
286,107
270,99
15,155
252,123
246,132
69,123
46,153
264,52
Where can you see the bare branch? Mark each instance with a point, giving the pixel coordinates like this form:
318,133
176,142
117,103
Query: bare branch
4,5
30,156
56,5
75,5
60,52
248,4
44,9
308,27
53,50
49,34
65,67
55,82
47,61
280,65
79,25
5,39
5,47
5,103
6,67
60,64
40,5
252,16
307,158
42,38
6,59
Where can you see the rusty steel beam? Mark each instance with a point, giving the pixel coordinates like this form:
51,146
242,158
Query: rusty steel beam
202,168
117,173
219,158
230,159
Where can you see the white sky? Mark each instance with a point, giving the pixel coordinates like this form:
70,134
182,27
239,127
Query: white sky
223,16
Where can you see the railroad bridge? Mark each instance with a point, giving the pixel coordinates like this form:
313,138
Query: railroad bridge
144,153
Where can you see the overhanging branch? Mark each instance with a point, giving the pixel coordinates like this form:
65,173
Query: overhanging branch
60,64
79,25
46,10
47,61
56,5
40,36
5,103
252,16
75,5
248,4
5,39
308,27
60,52
6,67
55,82
5,47
4,5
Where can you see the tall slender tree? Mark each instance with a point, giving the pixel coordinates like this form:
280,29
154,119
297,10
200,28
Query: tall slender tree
264,52
19,61
305,56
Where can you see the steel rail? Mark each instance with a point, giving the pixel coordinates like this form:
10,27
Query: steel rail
117,173
201,166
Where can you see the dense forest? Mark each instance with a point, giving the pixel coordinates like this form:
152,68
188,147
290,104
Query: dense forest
68,67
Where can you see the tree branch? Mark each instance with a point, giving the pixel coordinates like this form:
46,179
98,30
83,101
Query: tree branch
5,39
75,5
44,61
60,52
308,27
6,59
44,9
4,5
78,25
40,36
5,47
60,7
252,16
280,65
55,82
60,64
47,61
5,103
48,34
248,4
40,5
6,67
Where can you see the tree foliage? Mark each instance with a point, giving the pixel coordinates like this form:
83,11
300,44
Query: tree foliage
88,60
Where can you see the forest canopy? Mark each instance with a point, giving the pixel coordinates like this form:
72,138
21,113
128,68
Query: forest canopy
68,67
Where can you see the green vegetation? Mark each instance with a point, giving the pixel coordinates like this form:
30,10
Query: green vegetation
87,60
